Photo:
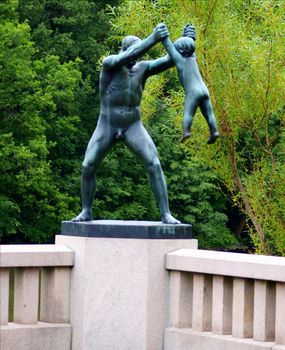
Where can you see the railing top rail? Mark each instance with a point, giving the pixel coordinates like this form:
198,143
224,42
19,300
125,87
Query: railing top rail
227,264
20,255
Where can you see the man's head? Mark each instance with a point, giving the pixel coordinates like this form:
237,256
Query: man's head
129,41
185,46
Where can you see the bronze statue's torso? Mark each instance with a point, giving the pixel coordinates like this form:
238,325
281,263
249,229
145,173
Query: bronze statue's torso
121,93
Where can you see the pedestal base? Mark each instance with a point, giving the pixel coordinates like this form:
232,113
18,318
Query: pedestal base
126,229
119,291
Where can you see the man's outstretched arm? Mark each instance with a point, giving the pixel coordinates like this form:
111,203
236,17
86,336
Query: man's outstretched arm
159,65
136,50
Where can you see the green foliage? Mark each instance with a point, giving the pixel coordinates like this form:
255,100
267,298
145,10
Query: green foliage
194,190
48,102
49,63
48,105
123,190
7,9
248,84
37,97
240,49
69,29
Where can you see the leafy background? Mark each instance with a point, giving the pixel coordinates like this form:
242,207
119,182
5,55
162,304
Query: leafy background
233,192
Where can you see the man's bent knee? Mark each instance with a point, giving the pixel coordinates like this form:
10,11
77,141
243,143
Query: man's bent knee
88,170
154,166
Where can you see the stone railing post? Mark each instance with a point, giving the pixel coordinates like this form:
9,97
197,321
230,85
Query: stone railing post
26,296
202,302
180,299
242,308
264,310
222,305
4,295
55,287
280,314
119,284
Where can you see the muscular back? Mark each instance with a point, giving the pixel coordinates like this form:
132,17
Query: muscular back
190,77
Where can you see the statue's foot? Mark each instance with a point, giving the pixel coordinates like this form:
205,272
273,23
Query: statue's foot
85,215
169,219
185,135
213,137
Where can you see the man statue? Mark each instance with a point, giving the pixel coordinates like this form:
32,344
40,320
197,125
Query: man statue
122,80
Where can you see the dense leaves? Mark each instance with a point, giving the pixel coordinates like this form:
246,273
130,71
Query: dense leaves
240,49
48,107
32,92
50,54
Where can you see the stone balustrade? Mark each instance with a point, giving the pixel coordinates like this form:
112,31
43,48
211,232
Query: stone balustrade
37,298
225,301
217,301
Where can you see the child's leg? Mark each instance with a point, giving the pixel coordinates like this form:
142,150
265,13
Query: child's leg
207,111
190,107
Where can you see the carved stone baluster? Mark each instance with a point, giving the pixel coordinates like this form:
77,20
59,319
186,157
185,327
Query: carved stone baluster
222,305
4,295
264,310
280,314
181,299
26,297
242,326
202,302
55,286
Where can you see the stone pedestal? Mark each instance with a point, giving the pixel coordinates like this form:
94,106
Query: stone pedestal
119,286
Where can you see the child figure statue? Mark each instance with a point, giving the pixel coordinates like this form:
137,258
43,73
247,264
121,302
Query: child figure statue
196,92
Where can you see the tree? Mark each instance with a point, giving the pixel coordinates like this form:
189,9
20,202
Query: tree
31,94
242,61
194,190
50,53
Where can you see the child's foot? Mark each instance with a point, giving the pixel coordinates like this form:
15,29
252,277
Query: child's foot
213,137
185,135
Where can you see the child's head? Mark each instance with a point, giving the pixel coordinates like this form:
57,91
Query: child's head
185,45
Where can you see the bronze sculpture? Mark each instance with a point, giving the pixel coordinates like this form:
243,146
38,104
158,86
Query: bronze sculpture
122,81
182,53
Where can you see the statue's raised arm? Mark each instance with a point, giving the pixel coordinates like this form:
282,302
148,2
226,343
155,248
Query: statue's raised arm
189,30
137,48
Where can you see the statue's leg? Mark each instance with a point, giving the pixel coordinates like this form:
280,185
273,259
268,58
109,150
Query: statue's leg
208,113
139,141
101,141
190,107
